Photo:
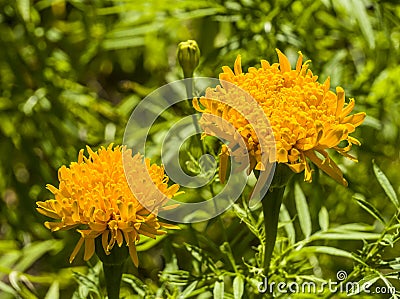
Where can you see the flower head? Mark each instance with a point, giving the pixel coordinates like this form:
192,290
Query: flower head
94,194
188,55
306,117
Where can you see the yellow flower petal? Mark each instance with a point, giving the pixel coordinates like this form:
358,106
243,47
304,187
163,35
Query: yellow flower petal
43,209
104,241
347,109
80,156
299,62
283,62
238,65
53,226
76,249
223,163
133,254
333,137
298,167
89,249
120,238
355,119
340,101
169,226
308,172
282,155
52,189
328,166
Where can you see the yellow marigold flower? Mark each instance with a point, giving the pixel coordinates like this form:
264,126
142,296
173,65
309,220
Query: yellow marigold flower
94,194
306,116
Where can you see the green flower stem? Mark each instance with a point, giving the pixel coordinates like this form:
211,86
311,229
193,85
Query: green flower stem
112,266
188,56
189,94
113,276
271,204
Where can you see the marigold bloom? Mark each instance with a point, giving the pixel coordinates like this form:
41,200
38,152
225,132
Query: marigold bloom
94,194
305,116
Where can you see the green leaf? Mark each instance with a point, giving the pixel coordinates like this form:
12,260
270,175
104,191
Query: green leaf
109,132
201,256
372,122
22,284
146,243
370,209
136,284
328,250
246,217
198,13
323,218
7,289
288,224
33,251
123,43
358,10
24,8
345,235
134,31
389,285
302,210
218,291
367,280
8,245
354,227
86,284
384,182
238,287
188,290
393,264
54,291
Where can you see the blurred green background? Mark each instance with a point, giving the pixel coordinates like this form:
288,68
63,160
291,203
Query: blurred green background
71,73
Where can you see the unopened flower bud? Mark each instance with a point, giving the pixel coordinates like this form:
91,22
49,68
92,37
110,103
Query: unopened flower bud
188,56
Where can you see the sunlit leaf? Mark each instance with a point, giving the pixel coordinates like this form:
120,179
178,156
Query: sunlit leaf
54,291
302,210
323,218
7,289
35,250
186,292
384,182
238,287
328,250
288,224
364,284
370,209
346,235
358,9
218,290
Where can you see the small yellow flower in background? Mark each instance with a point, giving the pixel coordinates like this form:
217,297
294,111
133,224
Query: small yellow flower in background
305,116
94,194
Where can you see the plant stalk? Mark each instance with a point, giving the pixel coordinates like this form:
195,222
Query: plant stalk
113,264
271,204
113,276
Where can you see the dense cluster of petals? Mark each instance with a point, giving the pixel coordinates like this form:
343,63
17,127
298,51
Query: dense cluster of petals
306,117
94,195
